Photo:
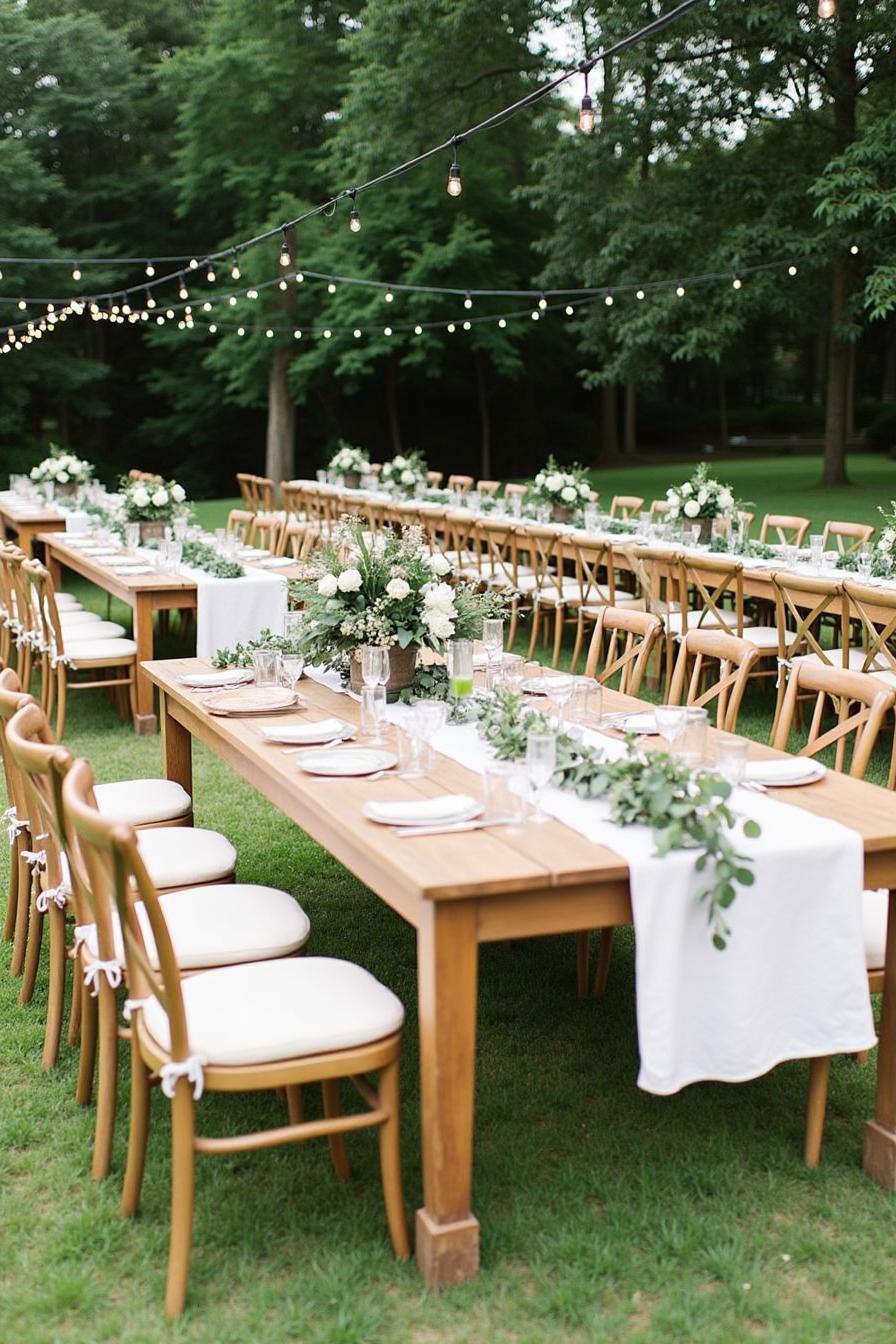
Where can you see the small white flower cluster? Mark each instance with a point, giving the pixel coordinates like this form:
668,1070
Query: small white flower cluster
349,461
886,544
439,611
404,471
151,499
62,469
700,497
566,488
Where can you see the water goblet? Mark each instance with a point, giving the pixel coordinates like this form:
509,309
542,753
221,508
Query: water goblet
541,761
493,642
432,715
816,549
375,674
292,665
670,719
560,690
132,537
731,757
513,669
865,559
505,793
175,555
692,748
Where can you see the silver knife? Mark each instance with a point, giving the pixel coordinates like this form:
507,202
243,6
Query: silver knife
407,831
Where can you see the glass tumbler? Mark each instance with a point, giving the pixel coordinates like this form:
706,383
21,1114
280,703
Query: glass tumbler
692,742
731,757
266,666
459,657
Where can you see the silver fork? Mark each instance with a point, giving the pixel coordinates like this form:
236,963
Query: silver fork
314,746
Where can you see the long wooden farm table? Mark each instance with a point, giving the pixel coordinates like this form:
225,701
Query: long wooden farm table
25,526
143,593
462,890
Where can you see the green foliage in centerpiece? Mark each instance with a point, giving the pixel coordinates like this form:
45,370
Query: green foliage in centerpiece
700,497
752,550
348,461
404,471
152,501
565,488
202,556
684,809
241,654
62,468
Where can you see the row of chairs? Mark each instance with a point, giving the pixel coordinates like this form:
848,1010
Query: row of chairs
217,996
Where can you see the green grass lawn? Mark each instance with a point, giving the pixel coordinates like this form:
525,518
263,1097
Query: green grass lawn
607,1214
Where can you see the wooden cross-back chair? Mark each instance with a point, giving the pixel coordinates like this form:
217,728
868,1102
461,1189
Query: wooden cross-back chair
872,612
515,488
239,522
238,1029
265,531
593,588
623,506
434,479
621,645
294,496
488,487
658,509
846,536
460,483
463,544
245,480
788,529
702,653
708,581
16,634
17,824
861,704
541,582
297,540
800,604
499,564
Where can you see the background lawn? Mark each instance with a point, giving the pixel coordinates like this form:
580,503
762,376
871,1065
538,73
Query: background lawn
607,1214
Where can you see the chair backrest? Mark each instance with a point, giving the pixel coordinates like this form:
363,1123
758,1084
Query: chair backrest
297,540
630,639
732,660
239,521
800,602
246,482
12,698
461,528
12,649
47,638
789,528
844,689
488,487
624,506
434,479
712,579
542,550
460,483
658,575
658,508
873,610
265,530
118,880
515,488
846,536
595,570
136,475
265,494
496,543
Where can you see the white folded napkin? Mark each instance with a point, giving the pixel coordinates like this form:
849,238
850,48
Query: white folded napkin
305,732
639,723
277,562
423,812
781,772
230,676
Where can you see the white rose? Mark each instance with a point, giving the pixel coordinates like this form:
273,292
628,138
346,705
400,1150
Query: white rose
726,499
440,596
584,489
178,494
440,624
36,473
702,497
349,581
686,488
691,508
397,589
62,477
439,564
569,493
327,586
554,481
407,478
160,497
141,497
539,479
399,462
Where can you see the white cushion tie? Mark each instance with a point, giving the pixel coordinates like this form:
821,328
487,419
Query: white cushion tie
112,970
58,895
14,827
190,1068
782,663
35,858
60,660
130,1006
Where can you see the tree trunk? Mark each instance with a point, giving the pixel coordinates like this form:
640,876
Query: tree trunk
837,397
485,423
609,435
723,411
392,405
279,457
630,432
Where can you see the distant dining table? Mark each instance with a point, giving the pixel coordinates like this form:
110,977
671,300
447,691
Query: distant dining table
23,521
147,589
501,883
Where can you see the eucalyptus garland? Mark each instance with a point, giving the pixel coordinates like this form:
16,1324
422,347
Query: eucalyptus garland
753,550
241,654
202,556
881,564
432,683
685,810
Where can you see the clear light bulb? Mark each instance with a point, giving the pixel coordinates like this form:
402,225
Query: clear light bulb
183,292
569,310
212,328
455,186
194,264
331,288
297,335
210,275
357,333
639,294
468,302
284,253
328,333
387,331
150,269
451,327
791,269
235,271
542,303
502,321
680,291
269,333
854,250
418,330
76,272
388,296
586,115
354,221
241,331
737,283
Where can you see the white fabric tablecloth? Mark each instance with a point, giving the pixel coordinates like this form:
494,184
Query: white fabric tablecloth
791,984
232,611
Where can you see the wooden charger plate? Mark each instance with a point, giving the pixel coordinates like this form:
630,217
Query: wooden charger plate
253,700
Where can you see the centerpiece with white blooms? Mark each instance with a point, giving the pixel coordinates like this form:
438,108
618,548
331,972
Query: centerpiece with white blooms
62,470
564,491
699,500
389,591
404,472
349,463
152,504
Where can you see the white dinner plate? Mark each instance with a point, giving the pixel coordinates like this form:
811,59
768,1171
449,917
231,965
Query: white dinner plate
309,734
277,562
644,722
230,676
774,775
354,761
424,811
537,685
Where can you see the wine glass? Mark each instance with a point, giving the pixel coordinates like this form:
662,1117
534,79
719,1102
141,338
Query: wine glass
541,760
292,665
670,719
493,642
374,674
560,691
865,559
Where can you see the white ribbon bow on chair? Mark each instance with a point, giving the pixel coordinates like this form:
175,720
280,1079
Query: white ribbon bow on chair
35,858
112,970
190,1068
58,895
14,827
130,1005
782,663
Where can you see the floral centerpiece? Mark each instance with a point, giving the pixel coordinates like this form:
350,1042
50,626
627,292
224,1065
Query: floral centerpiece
152,504
563,490
699,500
404,472
387,591
349,463
63,470
877,561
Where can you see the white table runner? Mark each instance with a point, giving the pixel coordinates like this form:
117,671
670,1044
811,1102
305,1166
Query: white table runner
791,983
232,611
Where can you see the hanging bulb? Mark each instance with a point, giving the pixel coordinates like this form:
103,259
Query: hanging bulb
210,274
354,219
269,333
467,325
251,293
22,304
854,249
206,307
388,296
569,310
232,300
284,252
357,333
639,294
331,288
150,269
235,269
542,303
455,186
586,111
792,268
297,335
502,322
418,330
387,331
212,328
328,333
451,327
76,272
194,264
183,292
736,283
299,277
241,331
608,300
535,314
827,9
468,302
680,291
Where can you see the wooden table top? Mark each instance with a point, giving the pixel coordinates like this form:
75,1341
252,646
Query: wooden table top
45,514
483,863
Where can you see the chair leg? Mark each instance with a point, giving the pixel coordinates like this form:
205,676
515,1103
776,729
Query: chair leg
32,952
583,957
61,690
514,617
183,1158
580,636
559,624
74,1017
87,1061
56,995
819,1071
138,1132
12,893
23,918
107,1081
390,1161
294,1103
536,622
332,1108
604,952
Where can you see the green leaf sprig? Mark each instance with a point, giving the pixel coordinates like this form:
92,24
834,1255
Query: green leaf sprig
205,557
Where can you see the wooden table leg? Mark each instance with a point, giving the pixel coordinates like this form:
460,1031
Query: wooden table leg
54,569
447,960
145,719
177,748
880,1133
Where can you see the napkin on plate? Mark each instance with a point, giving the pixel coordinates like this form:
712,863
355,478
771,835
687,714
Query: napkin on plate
305,732
426,811
781,772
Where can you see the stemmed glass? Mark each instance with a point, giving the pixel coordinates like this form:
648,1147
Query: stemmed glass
560,690
670,719
493,641
374,674
292,665
865,559
541,761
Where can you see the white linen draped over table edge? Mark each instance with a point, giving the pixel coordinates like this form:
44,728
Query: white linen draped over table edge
791,983
233,611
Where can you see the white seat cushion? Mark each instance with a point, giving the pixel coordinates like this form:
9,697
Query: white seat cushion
269,1010
86,652
90,631
184,856
218,926
141,802
82,617
834,658
725,620
68,602
765,637
875,905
